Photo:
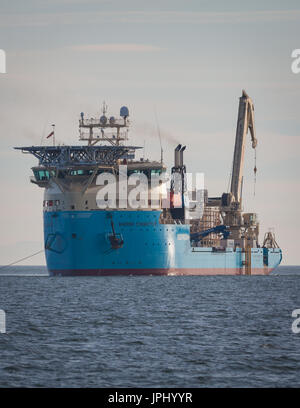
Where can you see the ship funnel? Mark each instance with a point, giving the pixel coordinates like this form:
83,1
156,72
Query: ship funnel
181,155
177,156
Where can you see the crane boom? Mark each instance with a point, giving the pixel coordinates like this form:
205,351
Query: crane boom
245,121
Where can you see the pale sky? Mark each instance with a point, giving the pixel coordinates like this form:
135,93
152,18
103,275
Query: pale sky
188,61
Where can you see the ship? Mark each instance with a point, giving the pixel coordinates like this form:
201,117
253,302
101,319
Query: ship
91,230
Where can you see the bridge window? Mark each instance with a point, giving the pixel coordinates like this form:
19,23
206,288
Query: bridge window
79,172
41,175
156,171
104,171
50,203
139,171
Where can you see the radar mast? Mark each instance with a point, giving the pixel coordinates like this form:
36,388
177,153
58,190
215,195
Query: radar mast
113,130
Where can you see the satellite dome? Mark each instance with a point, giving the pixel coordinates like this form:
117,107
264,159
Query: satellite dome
112,120
103,120
124,112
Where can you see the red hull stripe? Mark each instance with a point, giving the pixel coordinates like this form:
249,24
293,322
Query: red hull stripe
163,271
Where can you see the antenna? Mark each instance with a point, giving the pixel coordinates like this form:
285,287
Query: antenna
104,108
159,136
53,127
111,129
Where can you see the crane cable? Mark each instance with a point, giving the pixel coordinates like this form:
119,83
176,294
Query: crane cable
22,259
230,176
255,170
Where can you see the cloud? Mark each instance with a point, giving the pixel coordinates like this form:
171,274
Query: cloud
144,17
117,47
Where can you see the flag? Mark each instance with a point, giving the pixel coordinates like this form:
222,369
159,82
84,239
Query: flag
50,134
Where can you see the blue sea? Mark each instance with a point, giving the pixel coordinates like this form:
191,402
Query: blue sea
146,331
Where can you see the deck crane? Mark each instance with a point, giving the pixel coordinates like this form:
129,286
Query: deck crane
245,121
218,229
231,203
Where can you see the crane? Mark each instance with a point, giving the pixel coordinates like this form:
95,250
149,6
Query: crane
242,228
245,122
231,203
198,236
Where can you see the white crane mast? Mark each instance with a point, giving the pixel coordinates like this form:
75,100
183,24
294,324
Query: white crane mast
245,121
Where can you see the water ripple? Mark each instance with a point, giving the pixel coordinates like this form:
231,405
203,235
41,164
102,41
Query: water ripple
149,331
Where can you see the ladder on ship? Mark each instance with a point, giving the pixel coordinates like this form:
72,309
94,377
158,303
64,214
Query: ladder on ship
247,262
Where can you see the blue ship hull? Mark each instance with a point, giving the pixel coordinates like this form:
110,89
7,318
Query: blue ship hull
77,244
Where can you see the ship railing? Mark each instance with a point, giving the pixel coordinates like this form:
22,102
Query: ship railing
103,137
109,123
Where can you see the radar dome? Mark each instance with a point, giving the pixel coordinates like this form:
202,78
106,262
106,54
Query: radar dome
124,112
103,120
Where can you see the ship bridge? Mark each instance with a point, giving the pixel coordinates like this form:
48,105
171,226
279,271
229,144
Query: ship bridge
69,172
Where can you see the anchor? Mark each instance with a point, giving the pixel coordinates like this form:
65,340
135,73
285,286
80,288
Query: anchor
115,239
